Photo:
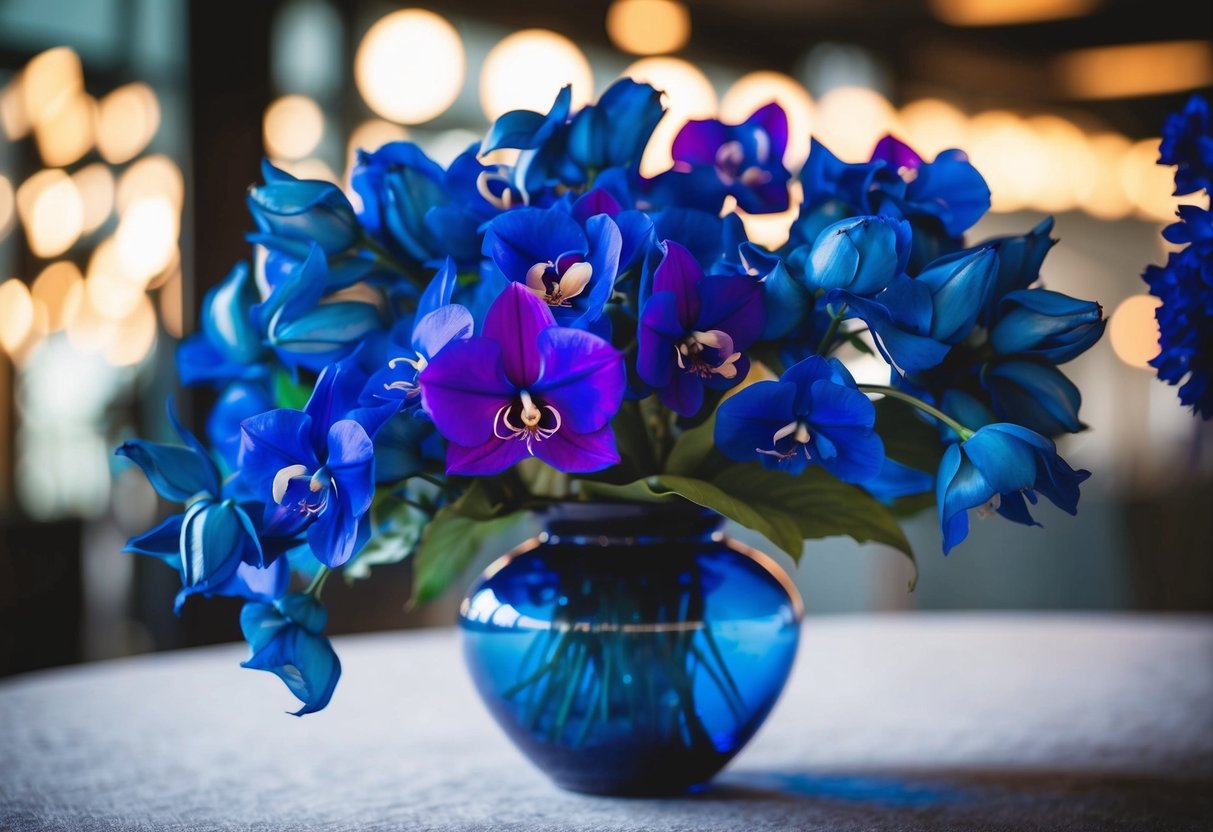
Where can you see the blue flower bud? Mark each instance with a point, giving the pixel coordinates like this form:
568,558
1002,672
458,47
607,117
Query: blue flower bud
1046,325
860,254
1035,395
307,210
959,284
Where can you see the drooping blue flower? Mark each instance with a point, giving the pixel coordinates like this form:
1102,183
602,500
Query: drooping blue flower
289,210
1004,467
525,387
813,415
286,639
1033,393
570,268
693,330
1187,142
230,346
613,132
959,285
1048,325
398,185
1185,321
314,469
215,544
310,325
859,254
713,160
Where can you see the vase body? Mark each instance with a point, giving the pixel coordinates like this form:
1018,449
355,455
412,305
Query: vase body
631,648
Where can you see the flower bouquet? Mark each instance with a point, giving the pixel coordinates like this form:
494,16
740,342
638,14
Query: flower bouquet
406,371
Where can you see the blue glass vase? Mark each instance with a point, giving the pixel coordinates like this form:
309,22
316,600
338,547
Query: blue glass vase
631,648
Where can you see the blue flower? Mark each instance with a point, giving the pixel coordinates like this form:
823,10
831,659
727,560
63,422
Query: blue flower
1003,467
285,638
1019,260
314,469
238,401
613,132
288,209
785,300
230,345
1187,142
1033,393
1185,321
693,330
1048,325
571,269
398,185
813,415
859,254
713,160
214,544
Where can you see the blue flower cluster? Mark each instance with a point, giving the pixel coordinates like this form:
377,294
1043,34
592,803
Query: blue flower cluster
378,358
1185,283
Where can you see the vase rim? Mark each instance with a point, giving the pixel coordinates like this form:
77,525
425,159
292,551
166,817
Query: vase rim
629,520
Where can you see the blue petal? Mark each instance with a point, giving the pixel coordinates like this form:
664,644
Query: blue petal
439,290
306,663
749,419
351,461
227,316
176,472
272,441
164,542
896,480
518,239
514,321
951,189
215,538
238,402
1035,395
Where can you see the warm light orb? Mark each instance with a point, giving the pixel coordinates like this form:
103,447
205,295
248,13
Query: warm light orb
8,206
1008,154
172,305
57,291
66,134
931,126
527,69
156,175
1009,12
49,81
851,120
648,27
410,66
1066,163
688,95
13,117
1149,185
127,121
371,135
1102,196
757,89
109,291
130,340
51,211
292,127
1133,330
16,315
96,186
146,239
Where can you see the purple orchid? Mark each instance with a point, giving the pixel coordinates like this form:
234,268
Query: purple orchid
693,330
525,387
713,160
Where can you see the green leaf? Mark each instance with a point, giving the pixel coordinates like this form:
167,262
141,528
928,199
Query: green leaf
691,453
453,538
397,531
907,439
747,508
288,392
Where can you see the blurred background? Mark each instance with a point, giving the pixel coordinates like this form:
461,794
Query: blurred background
130,129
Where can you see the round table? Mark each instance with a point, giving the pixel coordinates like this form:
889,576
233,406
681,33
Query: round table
898,722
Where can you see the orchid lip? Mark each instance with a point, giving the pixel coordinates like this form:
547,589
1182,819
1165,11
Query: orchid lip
530,415
556,283
800,434
690,357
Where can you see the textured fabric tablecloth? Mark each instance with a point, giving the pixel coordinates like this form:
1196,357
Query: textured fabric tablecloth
900,722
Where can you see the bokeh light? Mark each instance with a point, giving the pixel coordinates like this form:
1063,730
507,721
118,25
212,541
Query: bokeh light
526,70
8,206
1006,151
1066,163
110,292
49,81
57,291
146,239
1133,330
13,117
292,127
51,211
130,340
95,183
688,95
758,89
172,305
851,120
1147,184
371,135
127,121
930,126
16,315
1102,196
66,134
410,66
648,27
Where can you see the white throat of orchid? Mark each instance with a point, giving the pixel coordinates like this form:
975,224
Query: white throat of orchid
317,483
689,352
494,186
410,388
730,157
990,507
799,431
555,288
524,419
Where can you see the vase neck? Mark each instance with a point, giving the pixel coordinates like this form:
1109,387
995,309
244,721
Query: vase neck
608,523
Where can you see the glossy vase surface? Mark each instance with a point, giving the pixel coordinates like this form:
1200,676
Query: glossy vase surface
631,648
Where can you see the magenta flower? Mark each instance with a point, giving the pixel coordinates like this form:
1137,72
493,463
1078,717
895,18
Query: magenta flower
525,387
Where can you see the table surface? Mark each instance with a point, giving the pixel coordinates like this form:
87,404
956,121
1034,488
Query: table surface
898,722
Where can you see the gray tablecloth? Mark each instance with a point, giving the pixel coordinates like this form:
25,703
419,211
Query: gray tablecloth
901,722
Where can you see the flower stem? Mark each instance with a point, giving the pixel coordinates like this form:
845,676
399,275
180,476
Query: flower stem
892,392
828,339
317,585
